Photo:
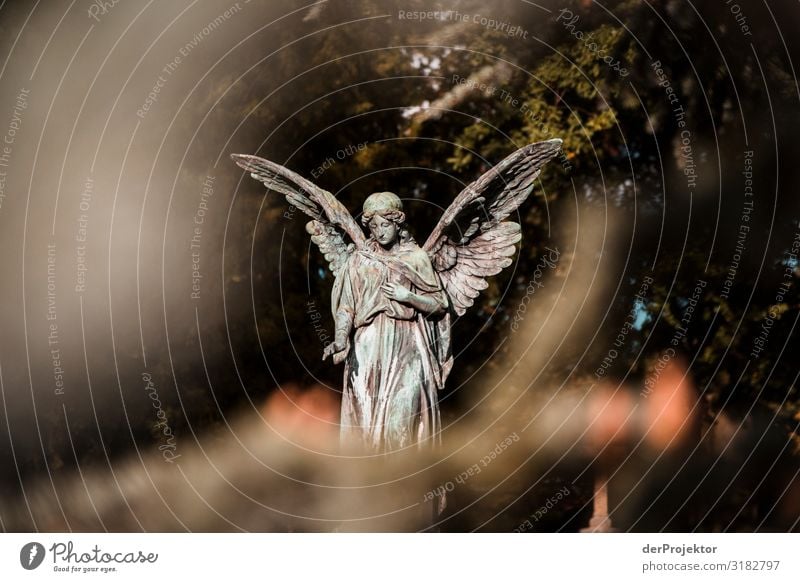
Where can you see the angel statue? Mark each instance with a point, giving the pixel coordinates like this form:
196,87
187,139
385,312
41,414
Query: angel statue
393,301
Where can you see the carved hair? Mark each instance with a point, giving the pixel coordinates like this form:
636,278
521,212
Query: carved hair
389,206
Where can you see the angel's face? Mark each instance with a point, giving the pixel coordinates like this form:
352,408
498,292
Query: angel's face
383,230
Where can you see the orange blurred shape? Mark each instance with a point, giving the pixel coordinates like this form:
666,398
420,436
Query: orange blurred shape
609,416
667,407
310,415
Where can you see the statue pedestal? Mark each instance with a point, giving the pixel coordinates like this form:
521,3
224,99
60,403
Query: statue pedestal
599,524
600,521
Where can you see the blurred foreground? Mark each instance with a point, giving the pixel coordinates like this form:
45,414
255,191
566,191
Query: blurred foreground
527,455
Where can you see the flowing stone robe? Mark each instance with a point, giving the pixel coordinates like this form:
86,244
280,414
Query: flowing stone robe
398,358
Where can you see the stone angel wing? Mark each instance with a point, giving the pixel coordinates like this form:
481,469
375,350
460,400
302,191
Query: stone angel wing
330,219
471,241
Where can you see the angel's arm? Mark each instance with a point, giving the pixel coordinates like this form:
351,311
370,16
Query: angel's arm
429,303
343,322
345,313
341,340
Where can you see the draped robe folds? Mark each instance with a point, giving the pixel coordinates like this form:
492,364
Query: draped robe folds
398,358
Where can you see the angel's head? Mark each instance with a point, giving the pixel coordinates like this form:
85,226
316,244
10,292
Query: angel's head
383,215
